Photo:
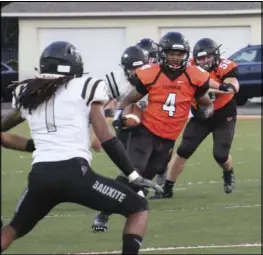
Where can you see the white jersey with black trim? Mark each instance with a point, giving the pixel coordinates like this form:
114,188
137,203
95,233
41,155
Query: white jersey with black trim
60,127
118,83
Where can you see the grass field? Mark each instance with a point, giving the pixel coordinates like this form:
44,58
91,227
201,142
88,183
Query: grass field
200,216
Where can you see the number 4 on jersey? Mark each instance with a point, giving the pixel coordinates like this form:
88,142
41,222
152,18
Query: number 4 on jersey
169,104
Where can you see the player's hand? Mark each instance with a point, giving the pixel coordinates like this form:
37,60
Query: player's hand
96,145
204,112
117,121
227,87
144,183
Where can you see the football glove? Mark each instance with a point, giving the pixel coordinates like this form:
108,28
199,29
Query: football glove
117,121
138,180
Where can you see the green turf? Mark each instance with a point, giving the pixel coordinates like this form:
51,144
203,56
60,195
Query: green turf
200,213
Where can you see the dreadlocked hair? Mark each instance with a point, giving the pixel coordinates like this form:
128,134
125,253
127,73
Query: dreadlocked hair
38,90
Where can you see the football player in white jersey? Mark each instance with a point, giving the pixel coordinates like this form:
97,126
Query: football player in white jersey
118,81
59,106
150,48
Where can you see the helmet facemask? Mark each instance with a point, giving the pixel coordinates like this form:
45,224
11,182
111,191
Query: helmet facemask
208,59
175,59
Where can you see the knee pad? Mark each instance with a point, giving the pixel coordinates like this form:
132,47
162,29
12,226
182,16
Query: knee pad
142,204
185,151
220,158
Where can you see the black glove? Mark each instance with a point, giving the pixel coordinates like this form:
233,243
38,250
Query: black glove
117,121
226,87
138,180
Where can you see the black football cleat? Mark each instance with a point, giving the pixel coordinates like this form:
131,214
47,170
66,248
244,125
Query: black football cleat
165,195
228,181
100,222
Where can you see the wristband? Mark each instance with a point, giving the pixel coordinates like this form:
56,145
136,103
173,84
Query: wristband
30,146
133,176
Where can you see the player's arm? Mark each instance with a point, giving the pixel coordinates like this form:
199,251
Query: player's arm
111,145
132,97
233,81
204,103
95,98
219,88
108,108
230,83
15,142
13,117
10,120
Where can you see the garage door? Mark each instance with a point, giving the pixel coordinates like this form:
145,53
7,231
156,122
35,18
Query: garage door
231,38
101,48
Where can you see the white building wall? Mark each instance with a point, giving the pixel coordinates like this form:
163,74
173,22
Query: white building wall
136,28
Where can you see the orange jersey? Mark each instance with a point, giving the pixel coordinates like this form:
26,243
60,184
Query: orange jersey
169,101
225,66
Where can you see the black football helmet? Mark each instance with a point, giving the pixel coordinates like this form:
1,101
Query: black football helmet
177,42
150,48
206,47
61,58
132,58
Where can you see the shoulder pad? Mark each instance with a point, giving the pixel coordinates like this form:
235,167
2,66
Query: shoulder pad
148,73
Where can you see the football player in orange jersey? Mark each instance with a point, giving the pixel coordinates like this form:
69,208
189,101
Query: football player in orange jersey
171,87
206,54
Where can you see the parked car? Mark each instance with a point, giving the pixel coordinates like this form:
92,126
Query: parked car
249,72
7,76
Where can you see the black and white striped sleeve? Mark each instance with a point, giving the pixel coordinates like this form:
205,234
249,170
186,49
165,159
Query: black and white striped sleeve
111,79
95,90
16,92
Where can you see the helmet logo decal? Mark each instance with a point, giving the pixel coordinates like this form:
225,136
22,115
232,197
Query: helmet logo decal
177,46
202,53
137,63
63,69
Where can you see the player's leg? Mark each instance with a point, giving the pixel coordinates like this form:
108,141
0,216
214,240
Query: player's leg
161,177
223,135
139,145
35,203
195,132
108,195
158,161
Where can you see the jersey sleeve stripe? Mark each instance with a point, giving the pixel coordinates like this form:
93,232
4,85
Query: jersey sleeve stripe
94,87
17,92
85,87
116,86
14,100
110,85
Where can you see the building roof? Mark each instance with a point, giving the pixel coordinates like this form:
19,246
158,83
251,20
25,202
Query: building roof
121,8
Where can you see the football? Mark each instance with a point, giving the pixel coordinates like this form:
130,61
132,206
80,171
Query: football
132,115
